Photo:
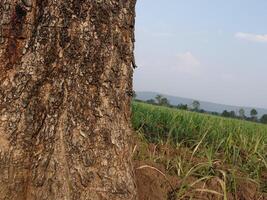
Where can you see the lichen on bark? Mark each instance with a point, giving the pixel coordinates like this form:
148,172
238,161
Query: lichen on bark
65,80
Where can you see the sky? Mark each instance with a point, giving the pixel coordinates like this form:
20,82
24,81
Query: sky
211,50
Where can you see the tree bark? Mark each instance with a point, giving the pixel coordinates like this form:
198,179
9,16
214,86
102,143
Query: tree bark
65,95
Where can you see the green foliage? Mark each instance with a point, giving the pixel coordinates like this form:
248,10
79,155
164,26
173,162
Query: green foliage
190,126
253,113
158,98
134,95
233,150
242,114
151,101
230,114
182,106
264,119
196,105
238,143
163,101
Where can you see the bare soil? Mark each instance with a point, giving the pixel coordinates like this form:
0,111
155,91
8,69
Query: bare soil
155,183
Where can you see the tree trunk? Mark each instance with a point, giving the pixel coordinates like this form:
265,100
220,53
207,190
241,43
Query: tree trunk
65,95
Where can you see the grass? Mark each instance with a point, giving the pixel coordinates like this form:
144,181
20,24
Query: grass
233,150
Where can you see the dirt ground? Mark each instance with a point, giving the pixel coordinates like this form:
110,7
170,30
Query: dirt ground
154,183
151,184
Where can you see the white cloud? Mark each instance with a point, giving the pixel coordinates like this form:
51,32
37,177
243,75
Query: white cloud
251,37
187,59
186,62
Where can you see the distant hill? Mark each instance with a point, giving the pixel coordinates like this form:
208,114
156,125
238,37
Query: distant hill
208,106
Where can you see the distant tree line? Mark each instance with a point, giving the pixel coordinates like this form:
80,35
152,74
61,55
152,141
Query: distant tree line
196,107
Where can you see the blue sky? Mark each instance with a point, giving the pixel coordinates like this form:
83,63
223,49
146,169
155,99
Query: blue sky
213,50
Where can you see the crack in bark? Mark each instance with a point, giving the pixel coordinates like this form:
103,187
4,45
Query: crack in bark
62,144
62,157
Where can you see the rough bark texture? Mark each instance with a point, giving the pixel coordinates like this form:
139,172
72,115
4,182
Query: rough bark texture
65,92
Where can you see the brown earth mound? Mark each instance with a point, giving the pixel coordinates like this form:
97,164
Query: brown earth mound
155,183
152,183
